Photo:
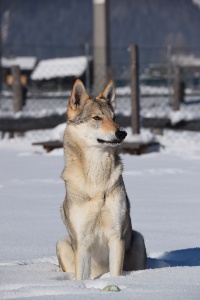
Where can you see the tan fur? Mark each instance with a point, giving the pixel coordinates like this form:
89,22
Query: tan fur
96,209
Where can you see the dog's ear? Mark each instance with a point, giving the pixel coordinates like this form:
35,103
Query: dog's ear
77,100
109,94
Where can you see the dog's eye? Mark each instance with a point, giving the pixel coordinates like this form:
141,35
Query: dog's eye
97,118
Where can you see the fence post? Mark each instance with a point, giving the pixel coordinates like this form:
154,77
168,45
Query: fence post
169,71
17,93
134,76
17,89
177,89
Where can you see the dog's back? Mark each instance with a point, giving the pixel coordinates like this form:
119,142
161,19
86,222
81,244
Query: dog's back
96,209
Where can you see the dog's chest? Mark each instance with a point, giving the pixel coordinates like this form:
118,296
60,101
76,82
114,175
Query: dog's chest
96,197
98,218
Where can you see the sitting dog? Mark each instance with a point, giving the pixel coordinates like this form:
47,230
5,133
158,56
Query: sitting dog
96,209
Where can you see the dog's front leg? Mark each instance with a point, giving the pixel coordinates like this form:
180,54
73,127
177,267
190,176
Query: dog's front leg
116,256
82,262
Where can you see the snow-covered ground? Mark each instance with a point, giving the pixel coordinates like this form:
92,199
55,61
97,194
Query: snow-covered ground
150,106
164,190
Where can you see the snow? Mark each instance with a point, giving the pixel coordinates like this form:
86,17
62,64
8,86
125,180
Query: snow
60,67
182,114
161,108
34,114
186,60
163,189
149,109
24,62
57,133
145,90
197,2
155,102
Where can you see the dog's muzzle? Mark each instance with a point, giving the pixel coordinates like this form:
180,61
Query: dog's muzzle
120,136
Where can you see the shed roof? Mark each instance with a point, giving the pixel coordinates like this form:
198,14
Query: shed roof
185,60
24,62
60,67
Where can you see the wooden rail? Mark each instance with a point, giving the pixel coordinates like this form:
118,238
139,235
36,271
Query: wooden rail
132,148
26,123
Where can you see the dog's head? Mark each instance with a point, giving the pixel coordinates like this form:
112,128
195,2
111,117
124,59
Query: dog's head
94,119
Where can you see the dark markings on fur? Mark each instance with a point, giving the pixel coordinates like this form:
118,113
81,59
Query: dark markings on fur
78,120
78,95
104,102
88,110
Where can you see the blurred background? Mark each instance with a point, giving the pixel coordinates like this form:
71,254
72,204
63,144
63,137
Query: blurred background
150,48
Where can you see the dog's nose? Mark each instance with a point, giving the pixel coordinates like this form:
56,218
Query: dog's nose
120,134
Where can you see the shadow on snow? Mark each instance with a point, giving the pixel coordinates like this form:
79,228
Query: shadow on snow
177,258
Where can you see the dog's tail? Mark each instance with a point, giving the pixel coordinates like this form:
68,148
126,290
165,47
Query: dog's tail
135,257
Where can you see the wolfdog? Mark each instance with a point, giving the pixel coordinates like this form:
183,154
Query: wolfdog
96,209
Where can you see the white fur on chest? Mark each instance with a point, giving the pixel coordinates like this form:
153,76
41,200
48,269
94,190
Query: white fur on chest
99,218
98,166
95,176
100,170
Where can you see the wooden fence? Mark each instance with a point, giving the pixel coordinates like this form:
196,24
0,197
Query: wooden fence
20,124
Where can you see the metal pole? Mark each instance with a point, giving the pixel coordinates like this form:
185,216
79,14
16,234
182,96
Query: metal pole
100,47
134,76
1,52
87,74
169,71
